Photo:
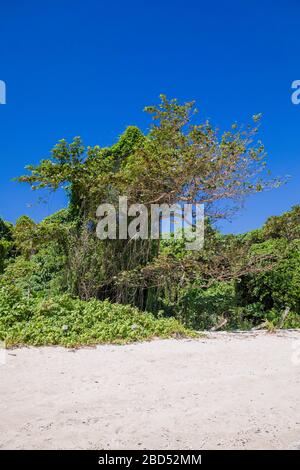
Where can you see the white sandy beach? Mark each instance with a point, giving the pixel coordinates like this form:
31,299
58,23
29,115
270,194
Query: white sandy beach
226,391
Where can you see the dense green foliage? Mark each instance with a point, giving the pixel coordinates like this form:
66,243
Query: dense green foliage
73,322
252,298
275,289
5,243
60,284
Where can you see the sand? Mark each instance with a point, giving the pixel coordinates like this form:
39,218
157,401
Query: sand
225,391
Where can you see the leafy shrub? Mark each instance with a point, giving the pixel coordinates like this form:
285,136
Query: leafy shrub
39,274
5,247
203,308
279,287
63,320
5,243
246,317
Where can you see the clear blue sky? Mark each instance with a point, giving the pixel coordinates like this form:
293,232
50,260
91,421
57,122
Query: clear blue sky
89,67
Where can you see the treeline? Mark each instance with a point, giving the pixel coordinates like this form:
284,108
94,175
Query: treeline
237,281
59,266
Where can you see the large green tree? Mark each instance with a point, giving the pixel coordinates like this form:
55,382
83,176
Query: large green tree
176,160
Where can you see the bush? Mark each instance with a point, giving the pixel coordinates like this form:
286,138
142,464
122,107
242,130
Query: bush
5,243
39,274
63,320
278,287
247,317
203,308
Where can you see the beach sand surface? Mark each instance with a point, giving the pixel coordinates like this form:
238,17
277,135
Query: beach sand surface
223,391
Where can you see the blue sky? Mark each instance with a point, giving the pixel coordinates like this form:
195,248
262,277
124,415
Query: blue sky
89,67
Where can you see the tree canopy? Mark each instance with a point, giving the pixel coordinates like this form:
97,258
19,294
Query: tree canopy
176,160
